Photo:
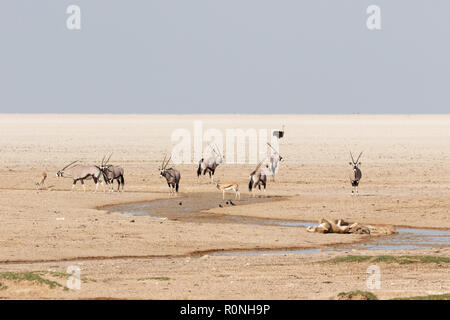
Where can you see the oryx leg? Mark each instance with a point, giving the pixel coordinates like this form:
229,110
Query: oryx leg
73,184
211,176
96,183
82,183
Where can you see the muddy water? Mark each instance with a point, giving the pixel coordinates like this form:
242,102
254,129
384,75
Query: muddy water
192,209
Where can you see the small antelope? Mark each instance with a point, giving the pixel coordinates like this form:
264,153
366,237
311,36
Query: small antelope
40,184
229,187
355,173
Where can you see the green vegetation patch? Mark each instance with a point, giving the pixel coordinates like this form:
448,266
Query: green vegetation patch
3,286
445,296
155,278
31,276
350,258
357,295
38,277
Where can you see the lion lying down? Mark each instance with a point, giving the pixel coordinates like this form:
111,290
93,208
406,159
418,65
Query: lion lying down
340,226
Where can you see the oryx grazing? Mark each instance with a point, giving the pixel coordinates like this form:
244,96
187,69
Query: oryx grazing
275,158
355,173
258,178
79,172
233,186
210,164
172,176
111,173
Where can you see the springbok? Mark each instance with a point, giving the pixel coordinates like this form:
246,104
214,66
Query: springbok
41,183
80,173
258,178
111,173
172,176
210,164
275,158
355,173
233,186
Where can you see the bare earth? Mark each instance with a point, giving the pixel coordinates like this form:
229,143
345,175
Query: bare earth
406,182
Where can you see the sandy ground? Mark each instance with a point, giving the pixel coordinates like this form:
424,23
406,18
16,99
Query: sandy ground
406,182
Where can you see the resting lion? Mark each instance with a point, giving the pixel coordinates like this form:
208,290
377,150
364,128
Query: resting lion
340,226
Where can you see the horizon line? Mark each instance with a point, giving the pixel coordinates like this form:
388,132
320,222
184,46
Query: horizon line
230,114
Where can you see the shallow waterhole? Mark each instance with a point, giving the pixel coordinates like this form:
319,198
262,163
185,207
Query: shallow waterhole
192,208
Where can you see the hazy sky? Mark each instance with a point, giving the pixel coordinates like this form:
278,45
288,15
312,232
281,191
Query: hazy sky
224,56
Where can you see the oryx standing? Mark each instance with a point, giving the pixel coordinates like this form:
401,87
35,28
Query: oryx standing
275,158
111,173
80,172
210,164
355,173
258,178
172,176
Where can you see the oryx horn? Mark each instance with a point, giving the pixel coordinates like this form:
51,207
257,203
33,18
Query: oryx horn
359,157
69,165
108,159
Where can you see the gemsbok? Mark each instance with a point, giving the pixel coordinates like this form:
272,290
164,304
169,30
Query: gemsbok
233,186
355,173
79,172
172,176
258,178
210,164
111,172
275,158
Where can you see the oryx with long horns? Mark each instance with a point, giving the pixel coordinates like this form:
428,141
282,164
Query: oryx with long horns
258,178
355,173
111,172
275,158
210,164
172,176
79,172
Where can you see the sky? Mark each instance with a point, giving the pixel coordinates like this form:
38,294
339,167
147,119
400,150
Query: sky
225,56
